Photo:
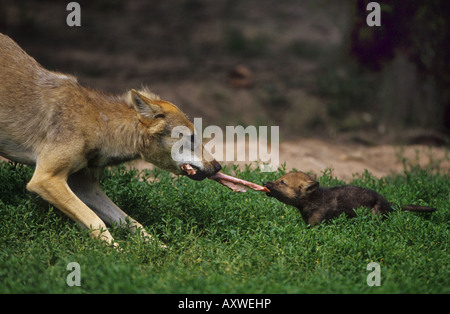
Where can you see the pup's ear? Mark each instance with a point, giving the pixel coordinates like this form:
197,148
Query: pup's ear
144,106
312,186
313,176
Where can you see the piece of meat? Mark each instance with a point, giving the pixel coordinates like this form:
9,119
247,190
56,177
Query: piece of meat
236,184
233,187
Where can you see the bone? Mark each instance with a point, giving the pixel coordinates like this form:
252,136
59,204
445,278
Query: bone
236,184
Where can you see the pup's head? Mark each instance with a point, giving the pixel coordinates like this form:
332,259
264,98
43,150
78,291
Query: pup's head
169,138
292,188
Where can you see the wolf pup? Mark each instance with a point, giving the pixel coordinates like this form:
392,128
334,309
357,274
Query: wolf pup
317,203
72,133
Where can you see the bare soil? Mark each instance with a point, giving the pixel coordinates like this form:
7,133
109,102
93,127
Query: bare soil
346,159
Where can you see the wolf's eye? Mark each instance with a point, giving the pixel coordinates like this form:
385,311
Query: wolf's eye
282,182
159,115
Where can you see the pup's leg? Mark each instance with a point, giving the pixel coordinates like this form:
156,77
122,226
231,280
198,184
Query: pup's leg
86,185
315,219
50,182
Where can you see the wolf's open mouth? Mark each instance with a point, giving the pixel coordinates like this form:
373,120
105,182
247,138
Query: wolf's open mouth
193,172
190,171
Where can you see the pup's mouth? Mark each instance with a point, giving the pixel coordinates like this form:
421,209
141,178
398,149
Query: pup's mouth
270,190
193,172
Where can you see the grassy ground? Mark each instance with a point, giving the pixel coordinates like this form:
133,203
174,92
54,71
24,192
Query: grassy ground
224,242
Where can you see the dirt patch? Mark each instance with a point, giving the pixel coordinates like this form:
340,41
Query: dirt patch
347,160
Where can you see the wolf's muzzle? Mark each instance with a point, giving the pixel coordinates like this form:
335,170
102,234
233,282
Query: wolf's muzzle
195,173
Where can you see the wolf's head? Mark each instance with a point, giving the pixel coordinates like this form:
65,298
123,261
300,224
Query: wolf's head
170,141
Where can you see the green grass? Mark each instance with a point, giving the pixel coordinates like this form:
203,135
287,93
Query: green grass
225,242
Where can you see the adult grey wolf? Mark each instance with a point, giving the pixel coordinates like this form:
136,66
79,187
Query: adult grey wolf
71,133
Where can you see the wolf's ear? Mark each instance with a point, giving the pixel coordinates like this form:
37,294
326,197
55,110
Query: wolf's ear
313,176
144,106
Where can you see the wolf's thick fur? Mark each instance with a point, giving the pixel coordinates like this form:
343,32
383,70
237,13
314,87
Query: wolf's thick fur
71,133
317,203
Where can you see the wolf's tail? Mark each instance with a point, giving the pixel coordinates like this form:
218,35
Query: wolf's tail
418,208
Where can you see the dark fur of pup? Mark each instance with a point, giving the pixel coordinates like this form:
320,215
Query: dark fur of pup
317,203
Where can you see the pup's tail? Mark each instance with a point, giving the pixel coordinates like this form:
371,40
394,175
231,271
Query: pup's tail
418,208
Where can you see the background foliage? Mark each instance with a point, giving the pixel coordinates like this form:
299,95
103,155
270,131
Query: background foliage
314,67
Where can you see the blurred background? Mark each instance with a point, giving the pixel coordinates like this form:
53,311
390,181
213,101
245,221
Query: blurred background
313,67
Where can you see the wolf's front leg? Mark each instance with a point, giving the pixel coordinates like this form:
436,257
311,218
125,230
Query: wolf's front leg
86,185
50,182
55,190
